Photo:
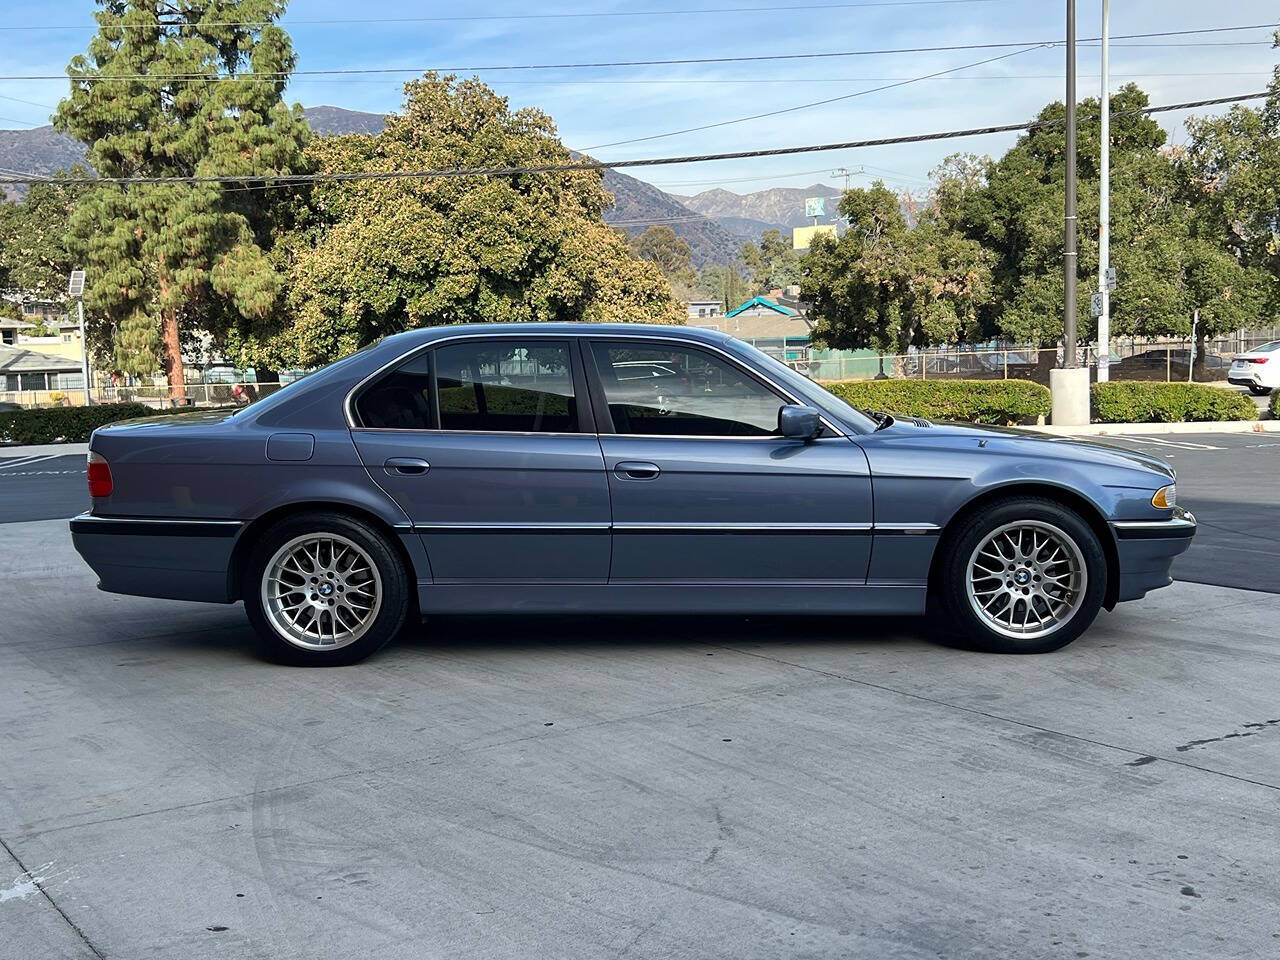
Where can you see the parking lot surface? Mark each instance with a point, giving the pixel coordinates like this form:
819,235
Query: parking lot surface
585,788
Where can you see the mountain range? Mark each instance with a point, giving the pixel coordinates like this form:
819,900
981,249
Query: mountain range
715,223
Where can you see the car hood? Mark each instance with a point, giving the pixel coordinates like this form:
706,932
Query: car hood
1077,449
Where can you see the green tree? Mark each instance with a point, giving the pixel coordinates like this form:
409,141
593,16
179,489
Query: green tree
1232,166
1168,263
179,88
726,284
374,257
889,285
669,253
35,257
773,264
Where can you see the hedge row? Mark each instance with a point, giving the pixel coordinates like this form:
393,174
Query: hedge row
975,401
1127,402
71,424
1274,406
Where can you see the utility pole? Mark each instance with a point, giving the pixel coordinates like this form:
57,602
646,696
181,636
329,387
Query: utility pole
1070,254
1070,383
75,287
1104,209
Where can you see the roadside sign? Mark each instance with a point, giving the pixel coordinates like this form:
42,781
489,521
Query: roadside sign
1095,305
815,206
76,287
1110,277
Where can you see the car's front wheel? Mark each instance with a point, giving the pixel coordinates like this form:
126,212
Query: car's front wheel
1258,391
324,589
1024,575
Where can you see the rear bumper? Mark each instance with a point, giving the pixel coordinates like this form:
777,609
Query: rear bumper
173,559
1146,550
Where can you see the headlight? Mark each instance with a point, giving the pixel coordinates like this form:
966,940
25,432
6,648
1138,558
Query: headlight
1166,498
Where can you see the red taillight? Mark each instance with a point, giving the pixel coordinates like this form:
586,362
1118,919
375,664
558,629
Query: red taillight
100,484
1255,359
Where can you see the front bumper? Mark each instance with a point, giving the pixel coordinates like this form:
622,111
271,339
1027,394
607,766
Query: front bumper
173,559
1146,550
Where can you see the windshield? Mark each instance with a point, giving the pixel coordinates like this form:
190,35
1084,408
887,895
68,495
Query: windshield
1267,347
807,389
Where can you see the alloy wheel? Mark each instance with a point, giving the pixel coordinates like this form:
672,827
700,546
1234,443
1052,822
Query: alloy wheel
321,591
1026,579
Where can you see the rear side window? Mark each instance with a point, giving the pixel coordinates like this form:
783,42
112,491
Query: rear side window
401,400
511,386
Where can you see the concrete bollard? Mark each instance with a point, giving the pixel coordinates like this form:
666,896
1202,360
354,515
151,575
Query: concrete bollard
1070,390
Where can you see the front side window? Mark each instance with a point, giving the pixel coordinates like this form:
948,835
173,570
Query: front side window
682,391
512,386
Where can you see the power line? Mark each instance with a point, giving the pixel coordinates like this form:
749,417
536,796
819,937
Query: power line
580,15
30,103
806,106
266,180
756,58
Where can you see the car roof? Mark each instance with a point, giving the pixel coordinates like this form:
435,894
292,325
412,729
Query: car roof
577,329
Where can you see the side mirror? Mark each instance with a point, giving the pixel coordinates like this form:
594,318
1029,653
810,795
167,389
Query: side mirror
803,423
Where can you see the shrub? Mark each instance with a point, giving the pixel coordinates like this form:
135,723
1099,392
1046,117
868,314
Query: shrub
1274,405
72,424
977,401
1168,403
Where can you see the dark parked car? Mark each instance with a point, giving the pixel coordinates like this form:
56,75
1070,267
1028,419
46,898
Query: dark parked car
529,468
1162,364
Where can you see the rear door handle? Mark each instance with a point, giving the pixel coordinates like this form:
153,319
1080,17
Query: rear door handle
636,470
406,467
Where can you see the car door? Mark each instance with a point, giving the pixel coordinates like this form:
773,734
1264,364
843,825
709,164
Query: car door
487,444
704,488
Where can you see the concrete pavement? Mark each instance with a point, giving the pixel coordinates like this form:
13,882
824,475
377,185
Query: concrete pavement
569,788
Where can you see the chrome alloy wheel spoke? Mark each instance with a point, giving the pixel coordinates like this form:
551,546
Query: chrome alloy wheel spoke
1026,579
321,591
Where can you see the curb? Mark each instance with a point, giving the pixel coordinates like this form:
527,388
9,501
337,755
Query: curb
44,450
1123,429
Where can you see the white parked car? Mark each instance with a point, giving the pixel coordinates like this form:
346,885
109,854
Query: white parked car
1258,369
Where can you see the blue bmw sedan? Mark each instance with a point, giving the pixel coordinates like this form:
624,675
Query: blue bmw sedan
612,469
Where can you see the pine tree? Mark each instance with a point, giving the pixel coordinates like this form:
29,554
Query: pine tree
180,88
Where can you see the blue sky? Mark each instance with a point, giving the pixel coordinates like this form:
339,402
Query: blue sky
598,106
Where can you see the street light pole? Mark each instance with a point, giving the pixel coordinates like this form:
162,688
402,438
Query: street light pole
1104,209
1070,255
75,287
1070,383
84,351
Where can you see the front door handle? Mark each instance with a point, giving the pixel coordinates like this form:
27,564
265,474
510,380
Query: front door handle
636,470
406,467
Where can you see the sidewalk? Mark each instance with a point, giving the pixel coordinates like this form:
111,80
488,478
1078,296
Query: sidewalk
1123,429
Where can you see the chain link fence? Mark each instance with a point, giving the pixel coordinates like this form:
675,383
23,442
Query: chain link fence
1151,360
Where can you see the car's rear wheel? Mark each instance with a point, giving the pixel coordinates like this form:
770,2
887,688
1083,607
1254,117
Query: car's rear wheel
323,589
1025,575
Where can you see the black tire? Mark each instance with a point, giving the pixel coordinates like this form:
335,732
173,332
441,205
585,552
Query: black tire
972,530
1259,391
394,581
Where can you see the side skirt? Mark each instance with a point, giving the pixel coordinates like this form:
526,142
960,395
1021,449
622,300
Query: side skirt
682,597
